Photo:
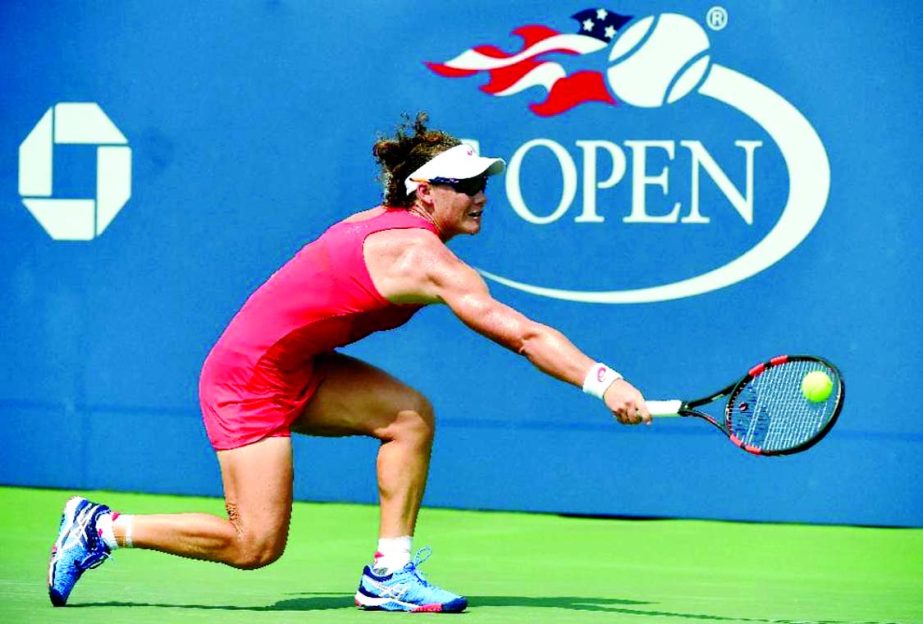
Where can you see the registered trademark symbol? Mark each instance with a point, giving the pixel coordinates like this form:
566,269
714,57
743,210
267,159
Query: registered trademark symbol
717,18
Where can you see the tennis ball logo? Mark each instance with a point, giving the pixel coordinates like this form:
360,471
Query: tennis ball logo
816,386
658,60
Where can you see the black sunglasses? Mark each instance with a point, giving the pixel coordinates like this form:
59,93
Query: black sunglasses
468,186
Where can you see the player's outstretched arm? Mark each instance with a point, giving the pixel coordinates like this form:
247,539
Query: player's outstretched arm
460,287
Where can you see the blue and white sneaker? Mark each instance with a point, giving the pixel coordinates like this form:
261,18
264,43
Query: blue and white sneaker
406,590
78,548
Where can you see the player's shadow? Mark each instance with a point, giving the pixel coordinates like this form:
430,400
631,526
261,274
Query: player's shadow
311,602
317,602
324,601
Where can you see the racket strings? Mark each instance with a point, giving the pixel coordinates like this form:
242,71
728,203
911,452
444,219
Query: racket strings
770,412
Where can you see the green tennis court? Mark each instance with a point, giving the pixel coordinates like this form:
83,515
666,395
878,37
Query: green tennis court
514,568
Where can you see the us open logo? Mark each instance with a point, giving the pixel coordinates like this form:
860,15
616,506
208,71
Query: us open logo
650,62
75,123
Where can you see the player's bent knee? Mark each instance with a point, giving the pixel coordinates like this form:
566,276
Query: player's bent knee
253,553
249,559
420,420
414,422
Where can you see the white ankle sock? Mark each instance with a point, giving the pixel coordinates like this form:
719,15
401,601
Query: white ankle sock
393,553
104,526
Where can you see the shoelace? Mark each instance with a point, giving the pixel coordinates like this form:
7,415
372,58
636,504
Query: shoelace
80,528
96,556
418,559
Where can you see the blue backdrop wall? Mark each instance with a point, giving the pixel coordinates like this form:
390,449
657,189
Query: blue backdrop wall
191,148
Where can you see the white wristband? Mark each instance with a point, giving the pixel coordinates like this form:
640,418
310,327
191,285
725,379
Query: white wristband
598,380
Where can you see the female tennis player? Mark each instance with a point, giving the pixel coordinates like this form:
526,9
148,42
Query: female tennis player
275,370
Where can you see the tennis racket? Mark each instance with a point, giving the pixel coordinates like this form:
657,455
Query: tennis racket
766,412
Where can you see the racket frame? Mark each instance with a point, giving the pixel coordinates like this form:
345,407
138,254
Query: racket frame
688,408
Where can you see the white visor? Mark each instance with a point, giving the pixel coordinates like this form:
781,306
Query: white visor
459,163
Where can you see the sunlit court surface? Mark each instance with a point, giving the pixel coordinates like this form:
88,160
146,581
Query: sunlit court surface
532,568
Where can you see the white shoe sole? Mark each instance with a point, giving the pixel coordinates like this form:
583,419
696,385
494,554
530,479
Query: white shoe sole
378,603
368,602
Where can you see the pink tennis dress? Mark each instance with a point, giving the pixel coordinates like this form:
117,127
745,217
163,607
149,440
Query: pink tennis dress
260,374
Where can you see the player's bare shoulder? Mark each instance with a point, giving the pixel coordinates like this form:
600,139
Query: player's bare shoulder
402,246
401,263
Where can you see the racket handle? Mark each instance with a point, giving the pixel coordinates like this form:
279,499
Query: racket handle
661,409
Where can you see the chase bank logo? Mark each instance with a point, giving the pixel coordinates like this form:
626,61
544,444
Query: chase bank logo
651,62
66,218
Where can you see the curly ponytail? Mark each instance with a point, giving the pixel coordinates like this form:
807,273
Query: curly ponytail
401,155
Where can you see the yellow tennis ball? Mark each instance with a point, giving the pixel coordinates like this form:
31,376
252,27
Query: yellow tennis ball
816,386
